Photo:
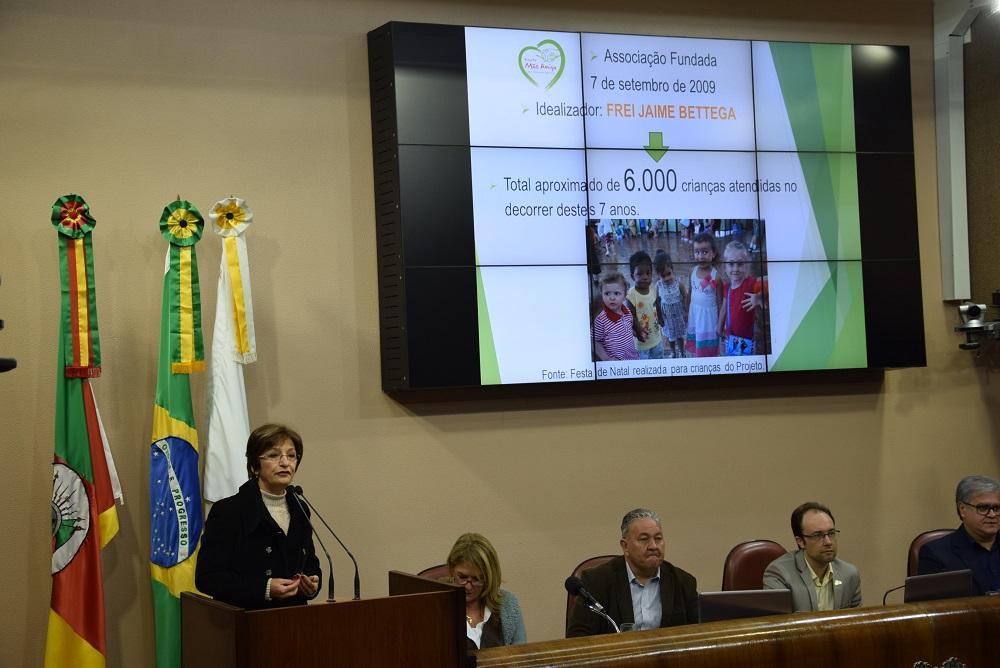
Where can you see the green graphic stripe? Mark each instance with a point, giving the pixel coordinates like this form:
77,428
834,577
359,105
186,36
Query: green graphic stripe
809,346
832,332
817,87
489,366
835,93
167,620
844,182
850,348
832,181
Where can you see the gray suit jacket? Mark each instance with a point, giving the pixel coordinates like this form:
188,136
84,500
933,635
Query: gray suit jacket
790,572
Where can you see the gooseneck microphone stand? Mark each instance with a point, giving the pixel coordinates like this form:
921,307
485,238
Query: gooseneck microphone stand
357,577
329,561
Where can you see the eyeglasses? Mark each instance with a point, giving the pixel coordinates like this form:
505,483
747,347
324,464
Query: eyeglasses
820,535
463,579
275,457
984,509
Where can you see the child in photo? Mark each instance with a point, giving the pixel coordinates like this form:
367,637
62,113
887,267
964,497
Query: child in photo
672,297
612,329
642,302
605,231
619,228
742,297
706,294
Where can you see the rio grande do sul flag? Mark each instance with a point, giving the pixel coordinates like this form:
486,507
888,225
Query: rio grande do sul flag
84,480
174,491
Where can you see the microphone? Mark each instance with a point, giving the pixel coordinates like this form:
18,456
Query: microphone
574,586
329,561
297,491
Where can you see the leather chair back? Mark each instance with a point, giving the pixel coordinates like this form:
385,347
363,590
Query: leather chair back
745,564
584,565
922,539
435,572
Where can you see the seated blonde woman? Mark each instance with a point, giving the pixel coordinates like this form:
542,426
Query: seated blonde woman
492,615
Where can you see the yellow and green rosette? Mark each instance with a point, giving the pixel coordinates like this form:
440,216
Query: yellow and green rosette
182,225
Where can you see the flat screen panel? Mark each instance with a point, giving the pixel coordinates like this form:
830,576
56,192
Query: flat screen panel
752,201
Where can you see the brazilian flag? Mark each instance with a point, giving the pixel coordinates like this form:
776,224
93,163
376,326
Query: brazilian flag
174,491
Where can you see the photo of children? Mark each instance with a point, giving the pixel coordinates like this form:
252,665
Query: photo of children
644,304
672,296
692,287
706,295
742,300
612,331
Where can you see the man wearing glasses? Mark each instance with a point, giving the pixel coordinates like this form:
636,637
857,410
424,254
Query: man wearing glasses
817,579
973,545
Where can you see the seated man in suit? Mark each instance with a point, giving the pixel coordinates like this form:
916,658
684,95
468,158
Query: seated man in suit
817,578
638,587
973,545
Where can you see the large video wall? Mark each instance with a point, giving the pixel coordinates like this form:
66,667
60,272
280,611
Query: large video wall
582,207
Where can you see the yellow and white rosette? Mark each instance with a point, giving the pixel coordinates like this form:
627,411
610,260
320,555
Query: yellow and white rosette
230,218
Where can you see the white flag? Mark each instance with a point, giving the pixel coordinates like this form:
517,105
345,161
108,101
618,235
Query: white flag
233,345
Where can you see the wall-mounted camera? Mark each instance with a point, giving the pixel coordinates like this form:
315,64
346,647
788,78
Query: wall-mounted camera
975,325
973,315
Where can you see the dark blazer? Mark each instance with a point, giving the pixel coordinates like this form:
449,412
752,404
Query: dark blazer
243,546
609,585
958,551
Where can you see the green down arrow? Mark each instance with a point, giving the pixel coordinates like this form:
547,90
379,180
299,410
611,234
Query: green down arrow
656,149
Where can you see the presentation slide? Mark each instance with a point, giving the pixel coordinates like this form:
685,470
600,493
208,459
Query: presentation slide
621,187
561,207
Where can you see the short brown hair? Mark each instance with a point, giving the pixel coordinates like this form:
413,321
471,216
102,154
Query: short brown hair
799,512
268,436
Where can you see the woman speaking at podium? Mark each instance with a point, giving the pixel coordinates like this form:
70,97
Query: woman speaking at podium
257,549
492,615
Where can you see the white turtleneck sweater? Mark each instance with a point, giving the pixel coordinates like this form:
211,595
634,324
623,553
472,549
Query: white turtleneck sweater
278,507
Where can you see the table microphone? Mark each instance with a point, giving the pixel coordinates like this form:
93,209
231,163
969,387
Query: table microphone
329,561
297,491
574,586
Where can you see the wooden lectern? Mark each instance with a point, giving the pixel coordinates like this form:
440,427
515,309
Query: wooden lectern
420,623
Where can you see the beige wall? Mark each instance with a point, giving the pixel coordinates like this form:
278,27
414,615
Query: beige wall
982,92
269,100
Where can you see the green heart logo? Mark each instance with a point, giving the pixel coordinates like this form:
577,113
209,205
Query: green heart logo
542,62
